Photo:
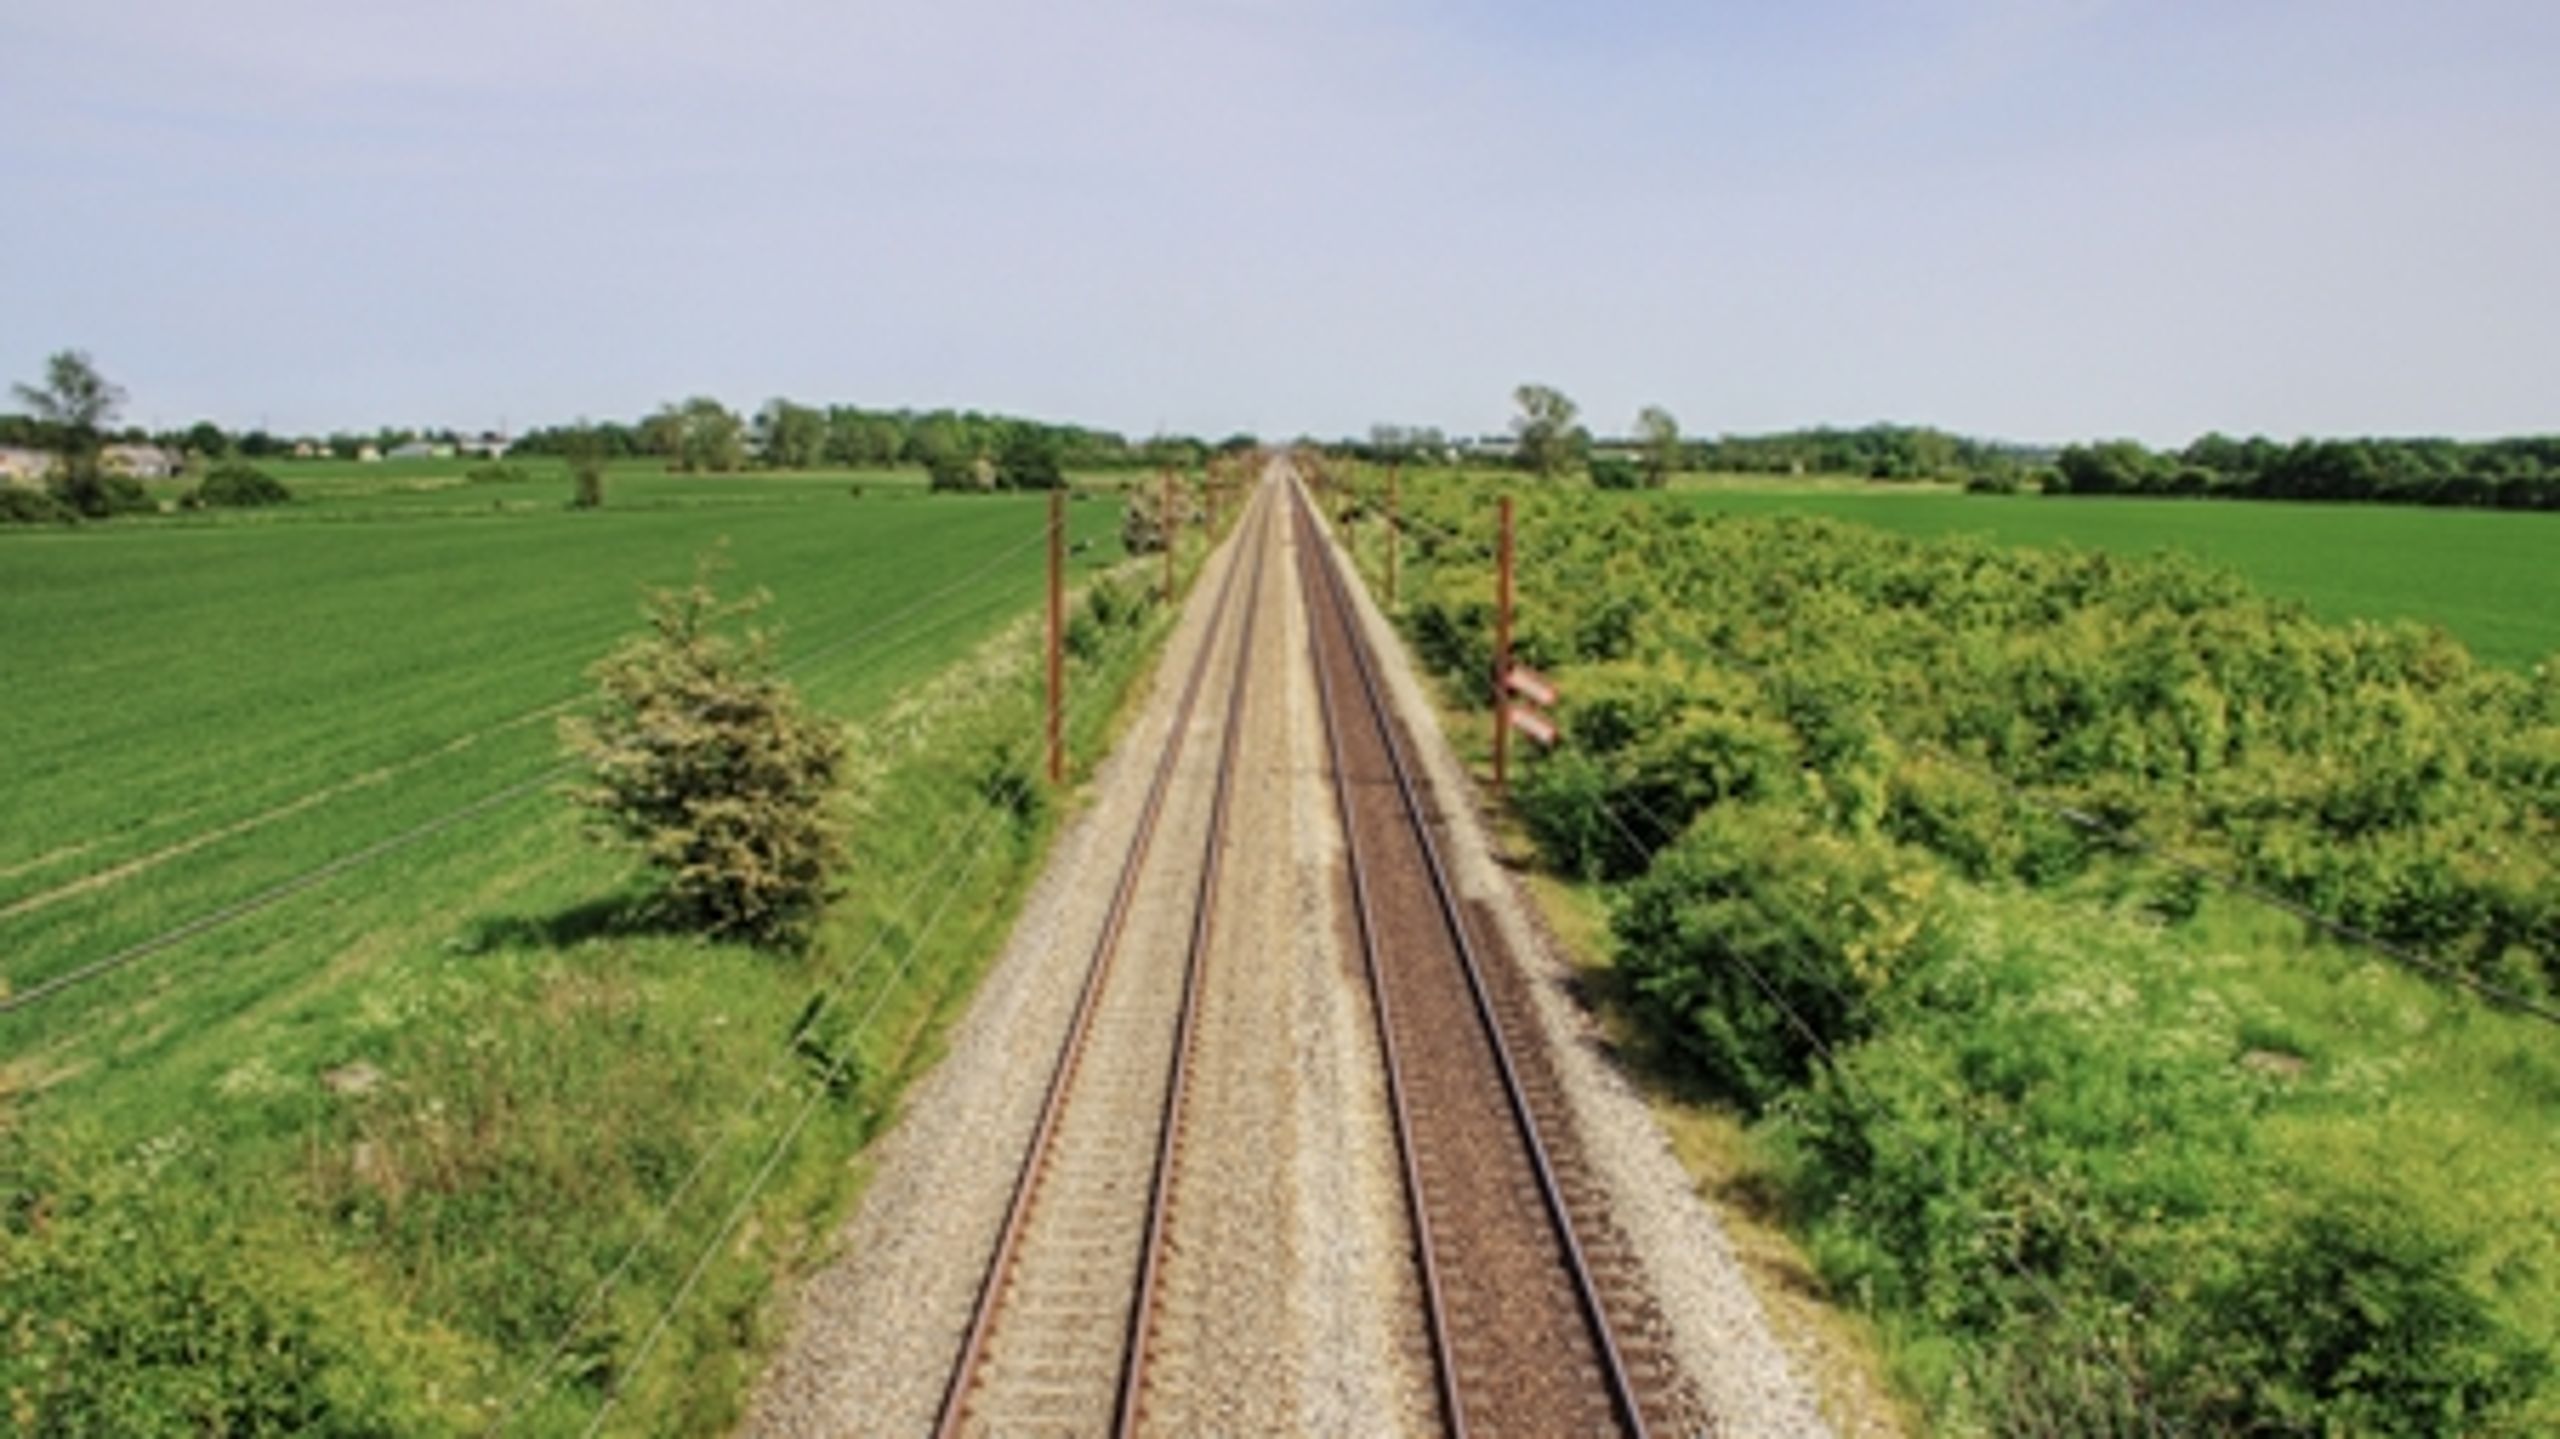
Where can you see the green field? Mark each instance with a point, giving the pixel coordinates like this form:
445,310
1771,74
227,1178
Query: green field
207,709
2490,577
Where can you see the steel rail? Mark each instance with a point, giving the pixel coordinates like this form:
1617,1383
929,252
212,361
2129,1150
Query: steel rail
1434,1301
1586,1289
1000,1264
1177,1086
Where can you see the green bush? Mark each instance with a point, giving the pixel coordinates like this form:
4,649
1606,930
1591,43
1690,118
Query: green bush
85,488
2354,1318
1756,943
22,506
137,1308
234,484
1608,472
701,755
498,472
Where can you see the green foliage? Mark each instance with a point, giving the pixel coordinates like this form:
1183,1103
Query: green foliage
1609,472
701,755
1029,459
2060,1116
2351,1316
795,436
2522,473
236,484
22,506
139,1308
1550,442
1111,609
1760,944
498,472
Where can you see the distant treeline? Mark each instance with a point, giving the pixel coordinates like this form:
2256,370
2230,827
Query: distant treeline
703,434
1878,452
2512,474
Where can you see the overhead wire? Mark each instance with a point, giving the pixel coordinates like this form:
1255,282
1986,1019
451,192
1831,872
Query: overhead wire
16,1000
1023,784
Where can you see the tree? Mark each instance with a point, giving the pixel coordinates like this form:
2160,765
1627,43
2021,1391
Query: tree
205,438
1028,459
585,447
77,404
1661,436
795,436
700,434
1550,441
700,754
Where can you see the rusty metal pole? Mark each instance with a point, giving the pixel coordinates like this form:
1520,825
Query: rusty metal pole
1502,657
1170,530
1395,535
1057,635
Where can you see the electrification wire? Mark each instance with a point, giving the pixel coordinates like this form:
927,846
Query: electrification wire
1796,1020
2127,840
838,987
763,1175
16,1001
67,889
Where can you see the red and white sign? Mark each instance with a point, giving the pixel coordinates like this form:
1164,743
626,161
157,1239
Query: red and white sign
1531,686
1533,724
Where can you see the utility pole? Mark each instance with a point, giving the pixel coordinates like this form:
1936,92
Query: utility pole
1057,635
1502,657
1395,536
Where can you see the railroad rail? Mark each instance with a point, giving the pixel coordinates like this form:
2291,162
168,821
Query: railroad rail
1057,1339
1521,1339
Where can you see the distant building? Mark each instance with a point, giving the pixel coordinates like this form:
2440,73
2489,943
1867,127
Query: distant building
23,466
141,462
305,450
368,454
489,445
420,450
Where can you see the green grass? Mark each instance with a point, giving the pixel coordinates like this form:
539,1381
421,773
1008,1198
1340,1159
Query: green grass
2491,578
214,706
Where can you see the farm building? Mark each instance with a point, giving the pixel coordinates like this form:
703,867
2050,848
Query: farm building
20,466
141,462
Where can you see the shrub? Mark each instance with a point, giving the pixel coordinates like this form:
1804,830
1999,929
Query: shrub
84,488
20,506
1143,520
236,485
1756,942
498,472
2355,1318
1608,472
702,756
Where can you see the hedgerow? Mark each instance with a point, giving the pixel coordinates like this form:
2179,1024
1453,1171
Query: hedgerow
2027,1089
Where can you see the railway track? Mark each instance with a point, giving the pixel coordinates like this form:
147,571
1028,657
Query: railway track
1057,1339
1519,1308
1520,1316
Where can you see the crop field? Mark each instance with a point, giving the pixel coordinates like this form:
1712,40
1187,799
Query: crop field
357,722
2491,578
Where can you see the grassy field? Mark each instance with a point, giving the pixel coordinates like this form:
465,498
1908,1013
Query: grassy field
2491,578
209,709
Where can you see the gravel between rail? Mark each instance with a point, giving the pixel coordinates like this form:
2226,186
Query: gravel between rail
1288,1300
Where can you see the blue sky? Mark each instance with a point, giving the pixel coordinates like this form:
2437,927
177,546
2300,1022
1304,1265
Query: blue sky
2031,220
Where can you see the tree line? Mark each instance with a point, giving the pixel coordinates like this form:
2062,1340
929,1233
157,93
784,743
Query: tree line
2513,474
959,449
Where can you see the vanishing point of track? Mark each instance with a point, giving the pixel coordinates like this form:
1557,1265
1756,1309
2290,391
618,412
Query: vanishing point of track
1519,1336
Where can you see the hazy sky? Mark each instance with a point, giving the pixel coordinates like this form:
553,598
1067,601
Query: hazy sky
2039,221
